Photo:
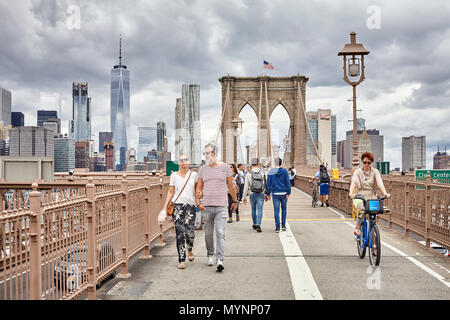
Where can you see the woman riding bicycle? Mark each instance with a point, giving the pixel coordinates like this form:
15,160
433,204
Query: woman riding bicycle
365,181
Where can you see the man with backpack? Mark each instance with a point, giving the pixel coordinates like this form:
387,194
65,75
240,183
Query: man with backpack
255,184
324,180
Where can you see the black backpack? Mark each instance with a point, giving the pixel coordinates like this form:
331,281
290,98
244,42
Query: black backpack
324,177
257,185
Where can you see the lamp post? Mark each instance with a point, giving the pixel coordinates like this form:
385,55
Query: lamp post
237,126
353,54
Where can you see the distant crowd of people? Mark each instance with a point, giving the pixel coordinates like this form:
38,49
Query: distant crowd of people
217,190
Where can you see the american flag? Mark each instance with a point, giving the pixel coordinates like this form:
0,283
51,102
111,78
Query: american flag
268,65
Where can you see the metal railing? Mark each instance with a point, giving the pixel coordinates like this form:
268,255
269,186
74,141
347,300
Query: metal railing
421,207
61,241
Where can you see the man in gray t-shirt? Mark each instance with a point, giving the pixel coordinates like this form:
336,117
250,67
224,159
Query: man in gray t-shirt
214,181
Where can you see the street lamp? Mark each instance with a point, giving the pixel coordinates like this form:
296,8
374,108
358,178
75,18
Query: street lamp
237,126
354,58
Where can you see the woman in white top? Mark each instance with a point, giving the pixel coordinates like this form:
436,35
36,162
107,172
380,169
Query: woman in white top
365,181
184,209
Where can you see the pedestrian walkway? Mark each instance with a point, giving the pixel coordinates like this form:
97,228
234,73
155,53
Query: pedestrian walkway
315,258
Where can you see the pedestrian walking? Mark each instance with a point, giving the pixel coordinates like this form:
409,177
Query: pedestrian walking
324,184
279,186
255,182
181,195
242,173
291,176
236,176
214,181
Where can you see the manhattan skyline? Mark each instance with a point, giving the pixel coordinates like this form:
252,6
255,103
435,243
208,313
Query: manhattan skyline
407,72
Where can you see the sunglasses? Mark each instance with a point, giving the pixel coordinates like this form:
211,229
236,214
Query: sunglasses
184,160
206,153
365,162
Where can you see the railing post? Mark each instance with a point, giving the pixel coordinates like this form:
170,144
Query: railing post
161,242
91,240
35,244
146,254
124,274
406,208
172,230
390,203
427,209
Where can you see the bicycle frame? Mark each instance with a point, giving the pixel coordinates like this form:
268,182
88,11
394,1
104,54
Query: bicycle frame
367,238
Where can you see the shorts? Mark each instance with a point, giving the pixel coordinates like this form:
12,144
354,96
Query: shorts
324,189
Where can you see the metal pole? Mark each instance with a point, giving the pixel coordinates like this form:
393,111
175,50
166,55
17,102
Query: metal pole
355,162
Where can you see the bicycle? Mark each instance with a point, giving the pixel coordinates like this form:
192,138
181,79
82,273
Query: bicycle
315,198
370,234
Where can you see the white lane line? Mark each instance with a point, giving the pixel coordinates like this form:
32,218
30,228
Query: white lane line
415,261
418,263
398,251
305,288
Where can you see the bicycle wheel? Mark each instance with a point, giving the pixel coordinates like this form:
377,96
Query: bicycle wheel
360,241
375,249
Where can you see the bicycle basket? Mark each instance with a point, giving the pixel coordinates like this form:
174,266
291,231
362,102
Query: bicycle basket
374,206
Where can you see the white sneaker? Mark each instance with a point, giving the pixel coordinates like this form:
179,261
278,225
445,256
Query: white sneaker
220,266
210,260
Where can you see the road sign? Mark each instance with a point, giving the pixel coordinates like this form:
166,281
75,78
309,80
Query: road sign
171,166
437,176
385,167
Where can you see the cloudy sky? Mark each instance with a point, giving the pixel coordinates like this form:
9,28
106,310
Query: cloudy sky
48,44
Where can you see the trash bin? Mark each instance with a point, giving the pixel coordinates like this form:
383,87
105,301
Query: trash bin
335,174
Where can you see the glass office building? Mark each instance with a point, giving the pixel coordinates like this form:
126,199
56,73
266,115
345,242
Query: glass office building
81,112
147,141
120,106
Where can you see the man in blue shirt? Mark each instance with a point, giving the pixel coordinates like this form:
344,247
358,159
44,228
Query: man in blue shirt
278,184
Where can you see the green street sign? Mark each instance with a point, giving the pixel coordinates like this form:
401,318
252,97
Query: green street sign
437,176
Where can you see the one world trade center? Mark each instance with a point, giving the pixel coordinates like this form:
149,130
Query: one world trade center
120,109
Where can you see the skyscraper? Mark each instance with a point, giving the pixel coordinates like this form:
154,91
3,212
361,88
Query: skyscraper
31,141
441,160
45,115
102,138
147,137
108,148
414,153
81,112
177,127
5,106
161,133
82,154
187,123
51,101
120,105
17,119
64,153
376,143
323,128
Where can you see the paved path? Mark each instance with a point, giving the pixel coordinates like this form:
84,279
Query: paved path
315,258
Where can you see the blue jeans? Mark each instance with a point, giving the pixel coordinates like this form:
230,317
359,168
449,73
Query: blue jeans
257,202
277,200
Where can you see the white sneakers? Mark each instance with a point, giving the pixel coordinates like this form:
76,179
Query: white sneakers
219,263
220,266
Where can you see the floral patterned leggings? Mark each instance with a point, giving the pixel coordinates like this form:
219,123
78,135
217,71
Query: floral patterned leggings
184,219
